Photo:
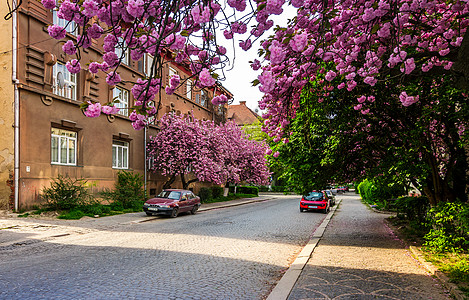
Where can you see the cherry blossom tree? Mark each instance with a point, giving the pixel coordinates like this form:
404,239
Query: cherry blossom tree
205,151
362,43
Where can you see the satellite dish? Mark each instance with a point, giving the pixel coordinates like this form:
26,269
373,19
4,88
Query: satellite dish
60,80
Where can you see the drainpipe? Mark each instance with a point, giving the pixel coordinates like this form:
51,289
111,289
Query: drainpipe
16,108
145,159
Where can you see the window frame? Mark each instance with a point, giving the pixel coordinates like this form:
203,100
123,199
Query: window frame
67,139
122,105
118,51
70,26
69,91
189,89
118,162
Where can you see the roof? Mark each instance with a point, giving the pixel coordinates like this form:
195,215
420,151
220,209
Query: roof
241,114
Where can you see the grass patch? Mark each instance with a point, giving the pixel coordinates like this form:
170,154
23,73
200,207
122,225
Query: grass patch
454,265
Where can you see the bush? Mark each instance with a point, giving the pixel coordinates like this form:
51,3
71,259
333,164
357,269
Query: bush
129,190
264,188
72,215
66,193
217,191
252,190
278,188
450,228
414,208
379,192
205,194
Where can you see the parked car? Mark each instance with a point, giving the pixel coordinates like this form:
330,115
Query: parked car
331,196
315,201
342,189
172,202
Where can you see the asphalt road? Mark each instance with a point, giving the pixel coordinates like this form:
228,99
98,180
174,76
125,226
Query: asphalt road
230,253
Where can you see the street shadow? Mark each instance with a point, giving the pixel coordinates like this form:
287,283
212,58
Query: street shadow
325,282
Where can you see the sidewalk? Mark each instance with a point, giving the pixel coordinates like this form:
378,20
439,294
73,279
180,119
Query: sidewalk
357,257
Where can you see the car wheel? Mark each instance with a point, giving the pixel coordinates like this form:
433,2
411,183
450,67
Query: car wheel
149,213
301,210
174,212
326,210
194,209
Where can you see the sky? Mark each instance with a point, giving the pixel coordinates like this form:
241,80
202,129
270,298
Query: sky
238,80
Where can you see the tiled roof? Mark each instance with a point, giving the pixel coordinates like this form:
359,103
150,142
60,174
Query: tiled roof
242,114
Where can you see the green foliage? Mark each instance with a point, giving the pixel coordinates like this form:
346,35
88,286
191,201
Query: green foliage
128,191
450,228
72,215
217,191
205,194
264,188
414,208
66,193
251,190
379,192
279,189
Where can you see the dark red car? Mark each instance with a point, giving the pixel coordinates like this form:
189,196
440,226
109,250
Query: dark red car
315,201
342,189
171,202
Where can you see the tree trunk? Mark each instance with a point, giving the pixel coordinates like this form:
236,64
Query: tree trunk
185,184
167,184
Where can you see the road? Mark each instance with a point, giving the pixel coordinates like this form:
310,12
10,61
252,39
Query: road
230,253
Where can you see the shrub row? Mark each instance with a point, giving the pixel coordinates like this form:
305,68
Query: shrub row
252,190
73,199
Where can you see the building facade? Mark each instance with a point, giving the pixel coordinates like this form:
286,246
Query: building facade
53,135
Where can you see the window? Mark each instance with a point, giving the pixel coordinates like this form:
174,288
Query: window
69,26
63,147
69,89
122,51
203,98
189,88
121,96
149,64
120,154
172,72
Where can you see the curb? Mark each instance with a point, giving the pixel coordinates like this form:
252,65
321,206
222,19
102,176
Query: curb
143,220
284,287
445,281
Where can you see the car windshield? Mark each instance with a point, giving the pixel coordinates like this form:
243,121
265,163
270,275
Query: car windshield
313,196
170,195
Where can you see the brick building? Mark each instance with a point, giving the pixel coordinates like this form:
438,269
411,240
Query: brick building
241,114
52,135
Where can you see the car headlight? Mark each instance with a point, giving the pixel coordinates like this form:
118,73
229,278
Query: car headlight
146,204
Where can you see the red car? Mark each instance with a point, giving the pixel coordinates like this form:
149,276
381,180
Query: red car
342,189
171,202
315,201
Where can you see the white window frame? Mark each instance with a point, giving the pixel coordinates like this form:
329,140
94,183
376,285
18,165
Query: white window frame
123,97
71,28
67,138
189,89
148,64
69,90
118,51
120,154
171,71
203,98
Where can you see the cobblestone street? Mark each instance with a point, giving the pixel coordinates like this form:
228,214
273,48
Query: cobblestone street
230,253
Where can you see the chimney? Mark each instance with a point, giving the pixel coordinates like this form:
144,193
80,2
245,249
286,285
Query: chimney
242,103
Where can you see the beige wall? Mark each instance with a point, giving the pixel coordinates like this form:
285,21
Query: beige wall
6,107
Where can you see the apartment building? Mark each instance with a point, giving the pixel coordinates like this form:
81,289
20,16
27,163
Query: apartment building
52,134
